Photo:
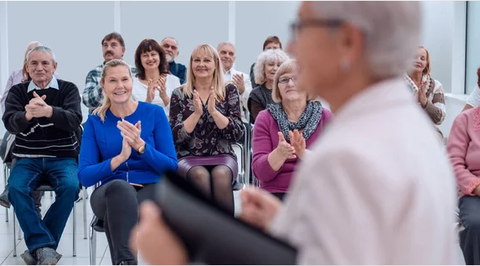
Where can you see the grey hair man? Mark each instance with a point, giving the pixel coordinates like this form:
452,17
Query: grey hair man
226,50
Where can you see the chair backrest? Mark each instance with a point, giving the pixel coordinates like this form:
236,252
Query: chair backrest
6,147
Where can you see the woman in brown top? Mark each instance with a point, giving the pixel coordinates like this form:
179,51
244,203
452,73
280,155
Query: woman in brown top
267,64
205,119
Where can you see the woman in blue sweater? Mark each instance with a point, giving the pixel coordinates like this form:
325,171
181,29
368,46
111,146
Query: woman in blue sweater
126,147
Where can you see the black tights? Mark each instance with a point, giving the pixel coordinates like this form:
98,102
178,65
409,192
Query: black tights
216,182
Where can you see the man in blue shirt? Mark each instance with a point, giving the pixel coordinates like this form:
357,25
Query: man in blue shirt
170,45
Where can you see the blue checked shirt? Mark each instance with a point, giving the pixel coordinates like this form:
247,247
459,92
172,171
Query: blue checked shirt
92,96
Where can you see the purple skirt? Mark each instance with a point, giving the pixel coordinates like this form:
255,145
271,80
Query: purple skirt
186,163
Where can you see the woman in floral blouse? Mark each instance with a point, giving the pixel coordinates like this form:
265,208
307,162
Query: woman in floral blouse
205,120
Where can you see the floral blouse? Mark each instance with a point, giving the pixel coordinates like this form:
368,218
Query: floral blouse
206,139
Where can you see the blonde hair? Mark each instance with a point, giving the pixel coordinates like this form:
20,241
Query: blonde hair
217,81
270,55
289,66
102,110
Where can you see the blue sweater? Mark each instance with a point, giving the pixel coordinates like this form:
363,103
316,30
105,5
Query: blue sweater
102,141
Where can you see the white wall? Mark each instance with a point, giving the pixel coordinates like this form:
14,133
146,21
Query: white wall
444,37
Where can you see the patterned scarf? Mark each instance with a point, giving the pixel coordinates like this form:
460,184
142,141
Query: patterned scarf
308,120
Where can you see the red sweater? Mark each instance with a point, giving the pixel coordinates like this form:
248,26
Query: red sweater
265,140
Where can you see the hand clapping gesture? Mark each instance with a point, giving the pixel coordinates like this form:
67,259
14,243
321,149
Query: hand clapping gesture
38,108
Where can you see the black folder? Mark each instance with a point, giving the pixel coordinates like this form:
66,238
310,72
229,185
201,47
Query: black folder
210,233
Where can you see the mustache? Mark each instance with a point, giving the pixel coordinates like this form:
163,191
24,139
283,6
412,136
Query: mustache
108,52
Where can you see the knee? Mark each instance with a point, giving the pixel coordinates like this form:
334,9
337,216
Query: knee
471,223
198,174
222,177
119,187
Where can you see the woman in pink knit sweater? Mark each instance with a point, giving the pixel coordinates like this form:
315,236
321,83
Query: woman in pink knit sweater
464,150
284,131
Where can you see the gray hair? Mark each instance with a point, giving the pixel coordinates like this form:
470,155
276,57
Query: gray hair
220,45
169,38
42,49
270,55
392,31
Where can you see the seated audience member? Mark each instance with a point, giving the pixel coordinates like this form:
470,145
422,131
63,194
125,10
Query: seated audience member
474,99
113,47
272,42
284,131
428,91
205,120
464,149
170,45
267,64
226,51
153,76
44,115
20,76
126,146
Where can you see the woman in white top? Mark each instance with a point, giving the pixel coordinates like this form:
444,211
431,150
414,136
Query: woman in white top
377,187
153,83
474,99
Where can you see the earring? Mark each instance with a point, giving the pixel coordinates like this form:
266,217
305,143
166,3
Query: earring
345,65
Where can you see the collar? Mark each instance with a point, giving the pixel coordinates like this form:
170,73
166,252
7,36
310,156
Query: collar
379,96
52,85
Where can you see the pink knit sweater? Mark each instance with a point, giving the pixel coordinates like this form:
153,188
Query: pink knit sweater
464,150
265,140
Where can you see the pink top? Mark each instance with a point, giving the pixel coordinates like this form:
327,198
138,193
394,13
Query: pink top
464,150
265,140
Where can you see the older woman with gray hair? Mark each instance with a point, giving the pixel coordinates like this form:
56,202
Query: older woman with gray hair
267,65
285,130
377,188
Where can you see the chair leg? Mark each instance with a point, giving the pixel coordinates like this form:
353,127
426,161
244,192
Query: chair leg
5,174
14,235
93,246
74,231
85,226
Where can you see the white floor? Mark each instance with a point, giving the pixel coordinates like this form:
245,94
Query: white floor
65,247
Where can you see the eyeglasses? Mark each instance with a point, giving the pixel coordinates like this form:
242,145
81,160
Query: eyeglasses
285,80
296,26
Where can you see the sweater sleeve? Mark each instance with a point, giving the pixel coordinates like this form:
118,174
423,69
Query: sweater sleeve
14,115
161,157
234,129
437,109
457,146
262,144
69,116
90,167
176,118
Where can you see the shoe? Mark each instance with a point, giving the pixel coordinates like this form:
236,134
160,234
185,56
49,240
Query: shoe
4,199
47,256
28,258
128,262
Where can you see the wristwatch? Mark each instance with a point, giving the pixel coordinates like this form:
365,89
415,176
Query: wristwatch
141,150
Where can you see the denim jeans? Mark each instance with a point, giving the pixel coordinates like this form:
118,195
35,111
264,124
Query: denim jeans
26,175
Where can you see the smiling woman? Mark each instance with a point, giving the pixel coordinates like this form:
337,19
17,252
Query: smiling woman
428,91
153,77
126,153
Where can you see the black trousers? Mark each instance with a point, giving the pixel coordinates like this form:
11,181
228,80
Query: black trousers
470,237
280,195
116,203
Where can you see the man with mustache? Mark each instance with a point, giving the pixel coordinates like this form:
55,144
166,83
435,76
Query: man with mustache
226,50
113,47
170,45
